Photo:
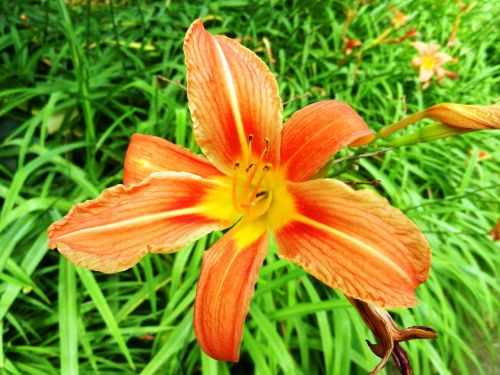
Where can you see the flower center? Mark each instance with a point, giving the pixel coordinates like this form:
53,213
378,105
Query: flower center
251,193
428,62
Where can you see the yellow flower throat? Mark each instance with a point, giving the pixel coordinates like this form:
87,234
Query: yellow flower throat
256,192
428,62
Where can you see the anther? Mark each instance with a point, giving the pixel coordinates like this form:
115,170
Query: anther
260,194
266,145
250,167
236,166
267,167
250,140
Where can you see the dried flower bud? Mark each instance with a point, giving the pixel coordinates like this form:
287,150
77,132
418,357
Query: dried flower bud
388,335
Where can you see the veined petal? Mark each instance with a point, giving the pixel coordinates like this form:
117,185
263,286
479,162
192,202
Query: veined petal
421,47
147,154
442,58
232,95
417,61
354,241
162,214
228,275
433,48
313,134
440,72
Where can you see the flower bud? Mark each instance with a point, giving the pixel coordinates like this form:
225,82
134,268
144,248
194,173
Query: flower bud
459,116
472,117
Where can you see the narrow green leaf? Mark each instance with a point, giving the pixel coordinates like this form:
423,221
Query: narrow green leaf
68,320
275,342
177,339
107,315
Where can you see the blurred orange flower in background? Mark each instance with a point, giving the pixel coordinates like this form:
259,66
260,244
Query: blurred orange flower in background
350,44
400,19
430,62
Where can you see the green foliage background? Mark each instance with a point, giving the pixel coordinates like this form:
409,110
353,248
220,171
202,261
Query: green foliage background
93,68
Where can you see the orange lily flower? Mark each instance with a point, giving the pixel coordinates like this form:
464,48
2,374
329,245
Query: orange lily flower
255,179
399,19
430,62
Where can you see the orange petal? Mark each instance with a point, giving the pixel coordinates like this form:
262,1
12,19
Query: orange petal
416,61
113,232
421,47
440,72
232,95
313,134
433,48
425,75
356,242
228,275
442,58
147,154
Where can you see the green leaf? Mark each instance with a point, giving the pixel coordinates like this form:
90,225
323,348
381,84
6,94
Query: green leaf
68,319
107,315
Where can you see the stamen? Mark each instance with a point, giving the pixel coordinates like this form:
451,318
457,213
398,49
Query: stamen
260,194
249,180
249,197
250,140
266,145
255,190
261,158
250,167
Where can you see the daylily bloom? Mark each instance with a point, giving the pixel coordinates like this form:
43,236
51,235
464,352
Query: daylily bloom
388,335
431,62
399,19
255,178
